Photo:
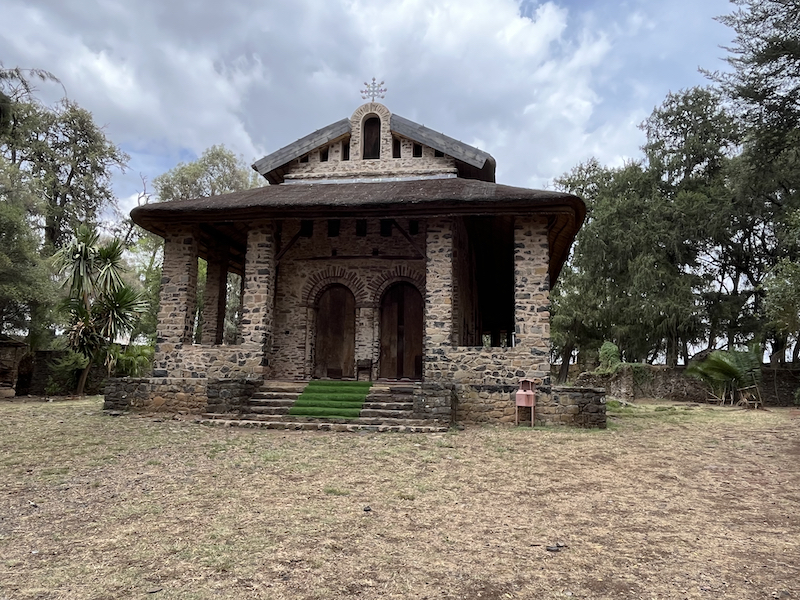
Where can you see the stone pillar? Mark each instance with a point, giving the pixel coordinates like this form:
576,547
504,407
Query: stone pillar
438,296
177,299
259,295
215,298
365,341
532,290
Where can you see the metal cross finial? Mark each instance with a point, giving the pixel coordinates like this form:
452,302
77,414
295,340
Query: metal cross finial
373,90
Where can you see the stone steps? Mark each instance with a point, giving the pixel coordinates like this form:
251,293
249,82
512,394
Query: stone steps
388,407
320,425
385,413
291,396
405,419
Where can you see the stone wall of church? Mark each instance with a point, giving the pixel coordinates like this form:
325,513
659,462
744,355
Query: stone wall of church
176,356
481,378
367,265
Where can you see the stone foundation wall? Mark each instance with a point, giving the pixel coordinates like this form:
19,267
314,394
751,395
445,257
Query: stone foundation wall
572,406
230,395
162,394
777,386
178,395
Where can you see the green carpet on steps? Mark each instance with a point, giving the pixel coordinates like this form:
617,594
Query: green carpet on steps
331,399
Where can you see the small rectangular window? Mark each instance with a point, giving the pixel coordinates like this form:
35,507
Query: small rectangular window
413,227
395,148
306,228
323,154
417,151
438,153
346,150
386,228
304,159
361,227
333,227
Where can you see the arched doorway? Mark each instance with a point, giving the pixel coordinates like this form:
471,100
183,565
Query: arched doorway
402,313
335,346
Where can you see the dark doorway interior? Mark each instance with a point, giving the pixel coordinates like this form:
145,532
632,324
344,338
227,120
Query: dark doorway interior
401,332
492,241
336,334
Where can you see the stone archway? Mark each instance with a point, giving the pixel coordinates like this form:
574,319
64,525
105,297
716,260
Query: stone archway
334,349
401,332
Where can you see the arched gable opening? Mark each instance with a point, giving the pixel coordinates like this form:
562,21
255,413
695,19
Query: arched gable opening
371,135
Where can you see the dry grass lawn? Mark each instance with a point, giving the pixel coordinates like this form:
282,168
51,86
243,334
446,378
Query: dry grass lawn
667,503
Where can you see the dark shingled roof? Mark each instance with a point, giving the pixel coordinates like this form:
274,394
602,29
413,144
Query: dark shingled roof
417,198
439,141
302,146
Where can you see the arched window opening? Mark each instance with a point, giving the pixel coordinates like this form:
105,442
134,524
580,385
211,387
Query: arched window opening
372,138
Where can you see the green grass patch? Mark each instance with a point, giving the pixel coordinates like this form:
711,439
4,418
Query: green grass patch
332,399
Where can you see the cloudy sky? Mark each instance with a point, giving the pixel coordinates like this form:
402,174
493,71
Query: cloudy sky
541,86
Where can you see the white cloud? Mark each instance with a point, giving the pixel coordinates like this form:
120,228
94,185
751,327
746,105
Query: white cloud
540,92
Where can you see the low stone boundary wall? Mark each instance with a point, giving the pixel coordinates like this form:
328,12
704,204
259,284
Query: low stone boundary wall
179,395
559,405
633,382
576,406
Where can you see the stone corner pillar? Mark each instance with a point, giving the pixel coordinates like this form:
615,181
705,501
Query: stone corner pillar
258,298
178,297
438,328
532,287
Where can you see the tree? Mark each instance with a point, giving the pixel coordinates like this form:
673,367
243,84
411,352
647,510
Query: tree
765,57
764,86
101,307
217,171
629,279
24,279
72,161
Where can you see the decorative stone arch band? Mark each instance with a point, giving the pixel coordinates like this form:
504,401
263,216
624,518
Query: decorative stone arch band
398,274
319,282
361,114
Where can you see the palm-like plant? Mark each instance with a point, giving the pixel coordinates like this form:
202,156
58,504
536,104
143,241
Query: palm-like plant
727,371
100,305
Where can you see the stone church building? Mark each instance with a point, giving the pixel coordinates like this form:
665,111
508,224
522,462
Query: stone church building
380,249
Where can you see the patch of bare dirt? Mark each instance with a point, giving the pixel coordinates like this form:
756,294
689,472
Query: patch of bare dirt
674,503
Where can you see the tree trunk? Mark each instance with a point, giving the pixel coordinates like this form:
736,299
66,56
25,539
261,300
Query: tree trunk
84,376
563,372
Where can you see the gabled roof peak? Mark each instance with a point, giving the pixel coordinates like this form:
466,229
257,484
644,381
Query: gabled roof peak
453,156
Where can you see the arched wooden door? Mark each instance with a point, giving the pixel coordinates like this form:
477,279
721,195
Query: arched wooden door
401,332
335,346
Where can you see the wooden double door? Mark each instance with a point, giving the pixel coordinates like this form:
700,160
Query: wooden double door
335,349
401,320
402,315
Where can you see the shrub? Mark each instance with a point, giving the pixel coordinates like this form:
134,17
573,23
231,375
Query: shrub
609,357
